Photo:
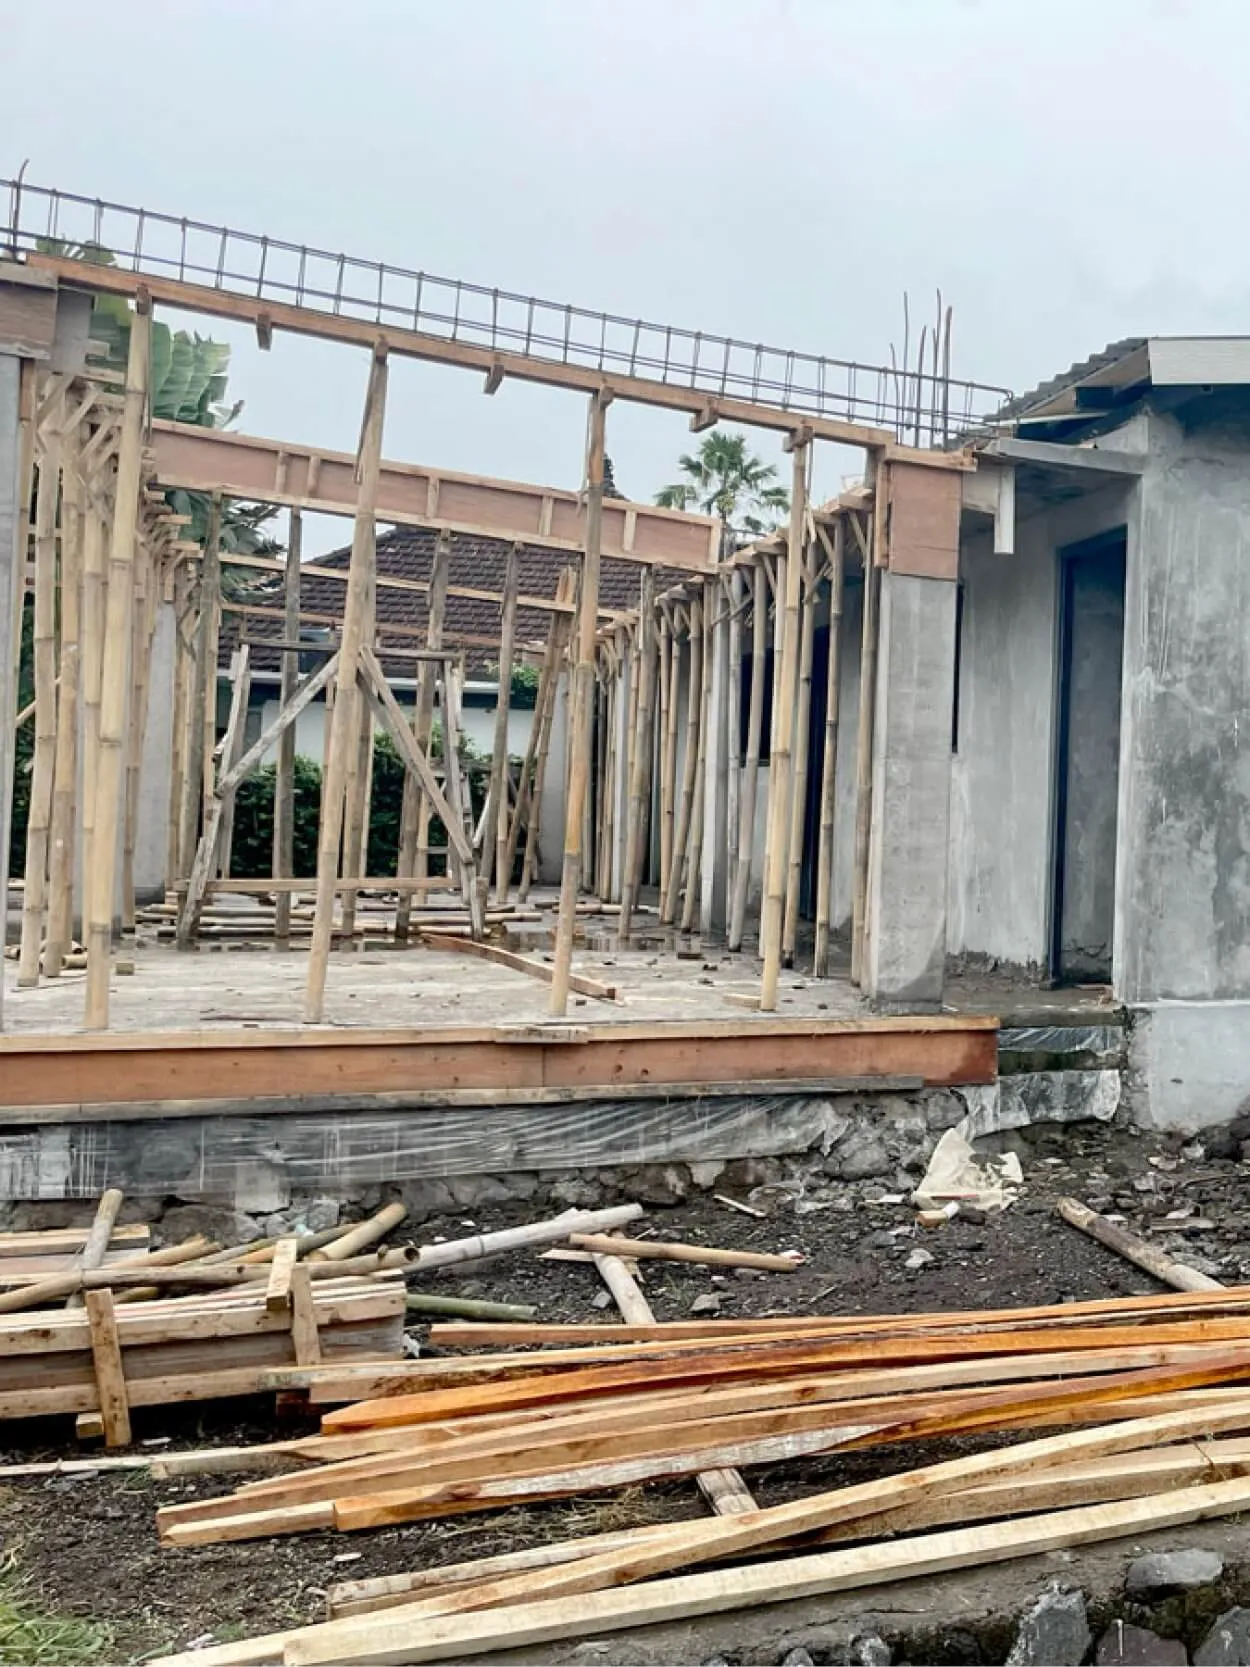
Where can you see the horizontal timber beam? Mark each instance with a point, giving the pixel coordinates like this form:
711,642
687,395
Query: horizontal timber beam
184,1073
278,472
414,344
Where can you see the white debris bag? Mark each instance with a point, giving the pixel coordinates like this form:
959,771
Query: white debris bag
958,1174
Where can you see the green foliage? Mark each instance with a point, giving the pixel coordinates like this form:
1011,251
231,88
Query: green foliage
523,686
252,849
34,1639
724,479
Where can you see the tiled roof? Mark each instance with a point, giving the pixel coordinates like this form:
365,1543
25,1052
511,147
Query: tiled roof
1047,390
407,553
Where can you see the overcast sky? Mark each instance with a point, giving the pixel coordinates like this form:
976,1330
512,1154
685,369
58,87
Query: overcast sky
1068,171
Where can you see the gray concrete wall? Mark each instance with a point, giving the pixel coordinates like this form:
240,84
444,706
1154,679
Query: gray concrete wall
1002,778
905,940
1183,888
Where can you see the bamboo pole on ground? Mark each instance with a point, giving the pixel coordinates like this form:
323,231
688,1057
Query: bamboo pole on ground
114,678
69,681
204,696
867,715
583,689
283,866
802,732
825,900
641,757
495,819
690,764
779,768
414,819
751,764
356,625
694,851
39,816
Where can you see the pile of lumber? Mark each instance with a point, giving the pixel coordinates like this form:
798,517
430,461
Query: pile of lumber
1129,1409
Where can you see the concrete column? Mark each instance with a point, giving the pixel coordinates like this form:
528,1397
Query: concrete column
905,945
151,831
714,857
10,613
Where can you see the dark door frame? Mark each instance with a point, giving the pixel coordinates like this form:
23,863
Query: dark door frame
1113,538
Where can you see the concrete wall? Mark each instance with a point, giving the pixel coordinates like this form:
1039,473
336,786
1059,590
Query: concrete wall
1183,896
1002,799
156,767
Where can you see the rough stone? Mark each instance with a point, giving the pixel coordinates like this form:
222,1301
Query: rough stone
1054,1632
577,1191
426,1198
859,1156
706,1304
797,1657
918,1259
706,1175
320,1214
1171,1571
1228,1642
1123,1645
470,1192
227,1226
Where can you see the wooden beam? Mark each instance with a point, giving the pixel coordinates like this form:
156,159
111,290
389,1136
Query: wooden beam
106,1357
540,517
519,963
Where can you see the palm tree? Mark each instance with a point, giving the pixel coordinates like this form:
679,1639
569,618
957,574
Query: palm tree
724,479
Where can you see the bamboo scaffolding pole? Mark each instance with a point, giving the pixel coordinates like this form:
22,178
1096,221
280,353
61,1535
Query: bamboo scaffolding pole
69,682
560,638
456,787
231,753
751,763
641,758
609,690
283,865
529,789
210,672
39,815
183,678
583,688
94,607
826,903
141,674
357,624
867,716
736,600
355,806
802,729
495,816
670,660
694,851
690,764
779,768
414,818
114,673
204,696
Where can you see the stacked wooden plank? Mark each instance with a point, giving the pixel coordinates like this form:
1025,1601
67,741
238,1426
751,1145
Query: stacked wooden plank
39,1254
1129,1394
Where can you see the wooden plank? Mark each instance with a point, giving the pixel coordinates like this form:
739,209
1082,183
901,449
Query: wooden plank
304,1335
393,1637
278,1290
110,1379
501,957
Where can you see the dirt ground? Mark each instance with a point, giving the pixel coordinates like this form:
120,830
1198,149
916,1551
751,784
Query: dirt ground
86,1546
